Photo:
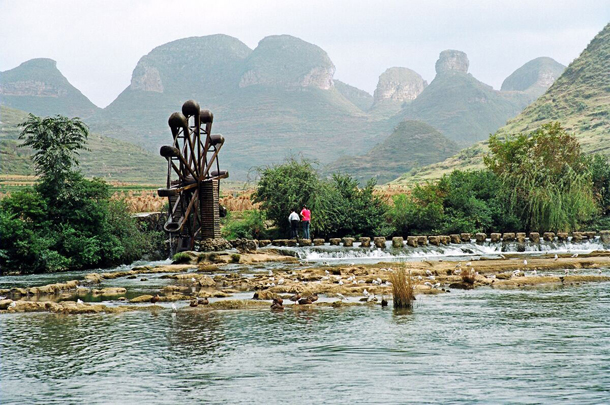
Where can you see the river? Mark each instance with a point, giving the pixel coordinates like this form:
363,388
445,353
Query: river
546,344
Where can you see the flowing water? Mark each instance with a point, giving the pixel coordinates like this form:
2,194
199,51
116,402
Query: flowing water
538,345
463,251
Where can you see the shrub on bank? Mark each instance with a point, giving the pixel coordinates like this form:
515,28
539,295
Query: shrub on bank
338,206
65,221
247,224
469,201
540,182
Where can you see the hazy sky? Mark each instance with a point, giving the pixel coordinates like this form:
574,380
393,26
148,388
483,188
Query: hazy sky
97,43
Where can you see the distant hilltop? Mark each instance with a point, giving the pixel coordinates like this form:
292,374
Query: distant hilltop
281,98
579,99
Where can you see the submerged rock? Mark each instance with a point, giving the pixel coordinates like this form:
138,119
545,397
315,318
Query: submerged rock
109,292
4,304
462,286
141,298
93,278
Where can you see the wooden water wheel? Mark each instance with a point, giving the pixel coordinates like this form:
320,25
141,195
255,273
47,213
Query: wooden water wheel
193,177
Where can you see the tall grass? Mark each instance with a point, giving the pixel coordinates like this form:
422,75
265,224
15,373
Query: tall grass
562,205
402,289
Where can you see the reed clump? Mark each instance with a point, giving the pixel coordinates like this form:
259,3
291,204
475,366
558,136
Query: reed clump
402,289
468,276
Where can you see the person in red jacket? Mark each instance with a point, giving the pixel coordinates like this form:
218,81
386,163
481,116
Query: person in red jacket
306,218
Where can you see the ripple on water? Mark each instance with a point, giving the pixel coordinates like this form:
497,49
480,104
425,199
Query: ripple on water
539,345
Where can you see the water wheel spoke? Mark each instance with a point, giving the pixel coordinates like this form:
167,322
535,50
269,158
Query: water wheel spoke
193,197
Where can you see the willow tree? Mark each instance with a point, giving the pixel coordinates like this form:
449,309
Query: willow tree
545,177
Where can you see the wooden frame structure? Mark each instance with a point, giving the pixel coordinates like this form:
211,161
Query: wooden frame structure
193,177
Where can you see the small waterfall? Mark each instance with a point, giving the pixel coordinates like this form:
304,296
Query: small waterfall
451,252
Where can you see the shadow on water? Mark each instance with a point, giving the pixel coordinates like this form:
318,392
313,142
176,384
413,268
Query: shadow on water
402,314
195,334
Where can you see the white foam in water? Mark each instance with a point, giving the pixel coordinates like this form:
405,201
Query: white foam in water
339,254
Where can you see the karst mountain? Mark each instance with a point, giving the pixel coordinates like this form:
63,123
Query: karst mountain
282,99
579,99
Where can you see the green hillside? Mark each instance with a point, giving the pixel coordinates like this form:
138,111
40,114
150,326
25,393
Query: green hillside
38,87
579,99
108,158
535,77
412,144
359,98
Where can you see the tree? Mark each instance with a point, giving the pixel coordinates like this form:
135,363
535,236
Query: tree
545,177
339,207
357,210
66,221
600,175
287,186
56,141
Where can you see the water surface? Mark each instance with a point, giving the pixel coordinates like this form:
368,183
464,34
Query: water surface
541,345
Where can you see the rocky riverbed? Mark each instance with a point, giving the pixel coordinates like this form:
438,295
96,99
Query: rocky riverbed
205,283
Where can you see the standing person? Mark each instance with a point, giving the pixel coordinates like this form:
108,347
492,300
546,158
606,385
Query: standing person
293,218
306,216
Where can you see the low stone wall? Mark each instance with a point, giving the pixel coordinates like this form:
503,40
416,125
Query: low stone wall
417,240
437,240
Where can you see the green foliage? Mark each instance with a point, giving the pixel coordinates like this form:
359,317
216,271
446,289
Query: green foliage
65,221
600,176
355,211
57,141
24,249
285,187
459,202
339,207
545,177
249,225
235,258
475,202
181,257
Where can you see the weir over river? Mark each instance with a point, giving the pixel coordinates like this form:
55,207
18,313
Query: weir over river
539,344
468,250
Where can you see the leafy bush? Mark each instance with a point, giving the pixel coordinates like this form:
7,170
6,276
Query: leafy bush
181,257
600,176
339,207
65,221
250,225
459,202
545,177
284,187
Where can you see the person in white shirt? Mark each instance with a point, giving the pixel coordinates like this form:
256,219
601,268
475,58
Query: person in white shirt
294,219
